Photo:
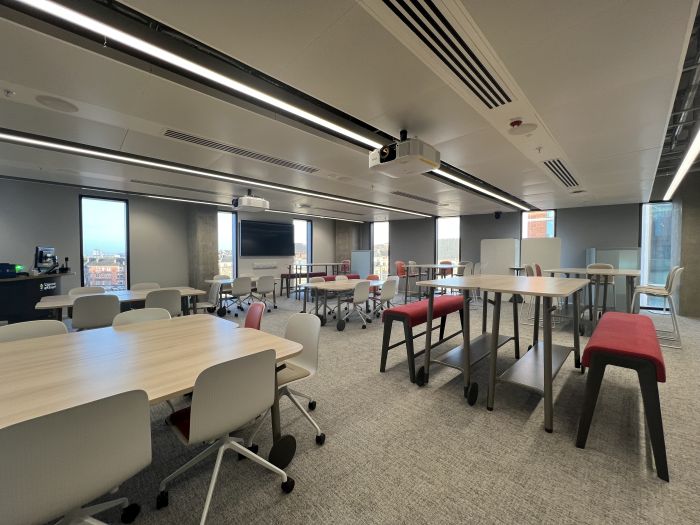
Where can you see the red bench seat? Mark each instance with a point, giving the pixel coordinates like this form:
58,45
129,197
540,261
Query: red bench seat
628,341
417,313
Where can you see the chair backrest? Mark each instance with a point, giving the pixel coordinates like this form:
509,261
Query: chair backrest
529,270
446,261
230,394
265,284
341,277
668,278
214,290
317,280
304,329
538,270
345,265
675,280
389,289
145,286
31,329
600,266
94,311
241,286
56,463
140,315
467,267
82,290
254,315
170,300
400,268
361,293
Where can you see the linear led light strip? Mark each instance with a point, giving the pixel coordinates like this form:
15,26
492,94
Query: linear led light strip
191,201
142,46
128,159
479,189
688,161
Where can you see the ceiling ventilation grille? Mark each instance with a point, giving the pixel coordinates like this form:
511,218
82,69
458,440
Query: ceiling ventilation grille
234,150
415,197
563,175
431,26
329,210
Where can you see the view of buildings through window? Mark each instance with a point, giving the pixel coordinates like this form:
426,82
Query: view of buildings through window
657,235
302,241
104,243
447,239
380,247
537,224
226,232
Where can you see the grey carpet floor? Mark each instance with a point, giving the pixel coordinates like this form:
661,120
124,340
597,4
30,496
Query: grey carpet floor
396,453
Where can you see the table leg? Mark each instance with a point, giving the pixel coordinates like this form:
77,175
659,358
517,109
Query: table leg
274,296
577,343
605,293
423,375
405,289
283,447
536,327
629,292
595,301
303,310
471,390
484,315
547,331
58,313
194,304
325,307
317,294
516,330
495,326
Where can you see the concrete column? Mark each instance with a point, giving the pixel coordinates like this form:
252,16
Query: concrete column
687,204
347,238
203,246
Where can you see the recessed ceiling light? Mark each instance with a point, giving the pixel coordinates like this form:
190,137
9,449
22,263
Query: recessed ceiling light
57,104
479,189
688,161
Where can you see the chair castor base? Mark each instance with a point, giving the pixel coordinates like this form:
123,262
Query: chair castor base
288,486
130,512
275,307
221,312
162,499
471,393
320,439
341,325
211,310
253,448
312,405
364,326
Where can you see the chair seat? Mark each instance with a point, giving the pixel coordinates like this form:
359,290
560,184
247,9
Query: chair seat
204,304
652,290
417,313
626,335
291,373
180,421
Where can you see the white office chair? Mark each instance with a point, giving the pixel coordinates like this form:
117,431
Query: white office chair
82,290
225,397
240,291
31,329
263,286
225,287
212,303
144,286
94,311
464,268
611,280
170,300
304,329
54,464
359,298
387,294
141,315
341,277
667,292
313,293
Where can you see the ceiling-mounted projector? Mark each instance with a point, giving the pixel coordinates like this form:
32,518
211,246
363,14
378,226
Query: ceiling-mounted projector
250,203
405,157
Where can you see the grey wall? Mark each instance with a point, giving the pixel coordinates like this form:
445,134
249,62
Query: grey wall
596,226
412,239
40,214
474,228
324,241
687,202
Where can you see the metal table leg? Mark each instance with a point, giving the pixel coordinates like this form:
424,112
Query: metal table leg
471,389
547,331
423,374
605,293
495,325
303,310
577,343
516,329
484,315
629,292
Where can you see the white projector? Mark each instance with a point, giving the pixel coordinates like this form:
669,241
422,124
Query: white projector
250,203
404,158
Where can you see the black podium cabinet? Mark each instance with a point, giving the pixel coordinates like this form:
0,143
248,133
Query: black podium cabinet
19,295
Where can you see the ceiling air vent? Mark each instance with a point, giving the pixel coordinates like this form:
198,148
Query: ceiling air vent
415,197
234,150
431,26
562,174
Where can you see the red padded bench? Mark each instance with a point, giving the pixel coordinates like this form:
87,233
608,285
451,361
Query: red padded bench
629,341
414,314
349,276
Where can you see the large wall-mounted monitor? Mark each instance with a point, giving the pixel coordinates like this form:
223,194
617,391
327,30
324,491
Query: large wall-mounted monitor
267,239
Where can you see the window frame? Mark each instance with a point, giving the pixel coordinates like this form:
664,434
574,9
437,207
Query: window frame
128,235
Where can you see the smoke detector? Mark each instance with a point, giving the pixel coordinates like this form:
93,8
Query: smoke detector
518,127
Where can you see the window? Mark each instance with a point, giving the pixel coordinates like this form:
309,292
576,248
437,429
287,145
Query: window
380,248
104,247
538,224
227,227
447,239
302,241
657,227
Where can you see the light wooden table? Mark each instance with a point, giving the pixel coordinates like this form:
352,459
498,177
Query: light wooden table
48,374
59,302
341,287
537,368
299,271
430,268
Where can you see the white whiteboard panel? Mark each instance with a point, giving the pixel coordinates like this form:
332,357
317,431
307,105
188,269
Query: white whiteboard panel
498,256
361,262
545,252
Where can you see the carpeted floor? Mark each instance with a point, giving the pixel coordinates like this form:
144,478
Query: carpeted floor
396,453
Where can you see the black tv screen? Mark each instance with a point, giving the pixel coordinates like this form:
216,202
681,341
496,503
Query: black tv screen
259,239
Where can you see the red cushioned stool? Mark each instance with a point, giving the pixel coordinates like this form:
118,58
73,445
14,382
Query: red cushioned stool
629,341
414,314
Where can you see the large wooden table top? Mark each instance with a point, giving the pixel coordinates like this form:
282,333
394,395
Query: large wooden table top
540,286
52,302
596,271
47,374
343,285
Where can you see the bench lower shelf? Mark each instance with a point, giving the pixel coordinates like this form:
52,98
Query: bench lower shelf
479,347
528,371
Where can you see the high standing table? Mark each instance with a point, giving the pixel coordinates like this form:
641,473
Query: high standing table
334,266
537,368
339,287
430,268
59,302
45,375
